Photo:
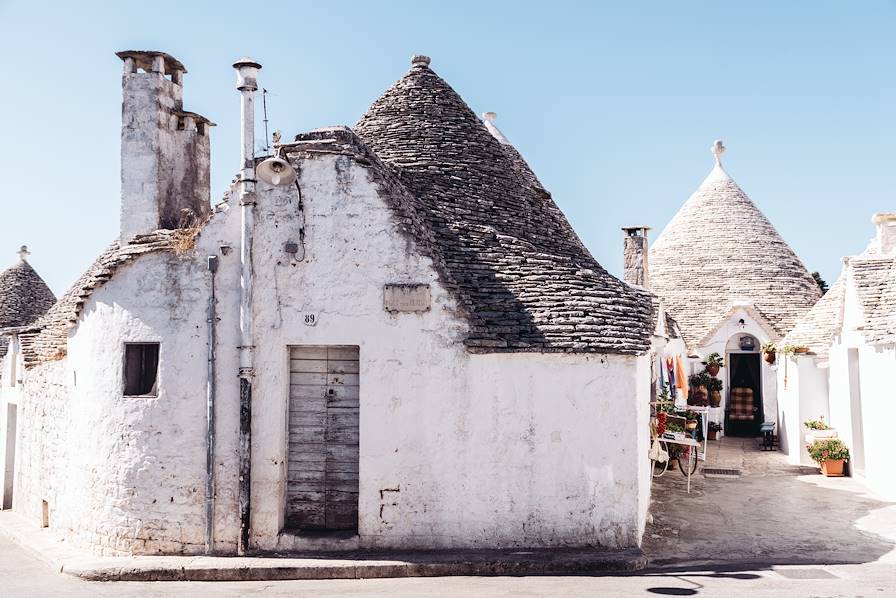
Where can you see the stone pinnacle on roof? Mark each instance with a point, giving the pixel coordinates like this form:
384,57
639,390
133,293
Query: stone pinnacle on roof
720,250
24,253
718,148
489,119
420,60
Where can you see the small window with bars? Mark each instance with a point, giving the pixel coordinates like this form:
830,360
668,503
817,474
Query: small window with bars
141,369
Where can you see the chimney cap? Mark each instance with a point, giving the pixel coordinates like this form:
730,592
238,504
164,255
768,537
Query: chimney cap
490,116
143,59
637,227
246,61
420,60
882,217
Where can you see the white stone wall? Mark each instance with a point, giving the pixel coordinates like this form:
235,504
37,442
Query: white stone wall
456,449
804,396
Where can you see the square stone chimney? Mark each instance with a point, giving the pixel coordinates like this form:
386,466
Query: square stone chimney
165,151
634,255
885,239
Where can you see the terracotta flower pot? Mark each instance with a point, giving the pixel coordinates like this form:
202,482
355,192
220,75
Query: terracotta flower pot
832,469
712,370
715,398
711,435
769,357
692,424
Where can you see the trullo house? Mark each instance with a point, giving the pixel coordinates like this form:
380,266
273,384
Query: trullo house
24,297
732,283
386,336
847,374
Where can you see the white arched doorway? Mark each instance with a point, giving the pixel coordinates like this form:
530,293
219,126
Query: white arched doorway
744,411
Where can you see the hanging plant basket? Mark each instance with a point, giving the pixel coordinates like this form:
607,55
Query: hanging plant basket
769,357
712,369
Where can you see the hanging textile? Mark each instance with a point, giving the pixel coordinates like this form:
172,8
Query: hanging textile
681,379
670,370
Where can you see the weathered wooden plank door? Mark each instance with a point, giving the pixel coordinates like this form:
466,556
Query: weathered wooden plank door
322,483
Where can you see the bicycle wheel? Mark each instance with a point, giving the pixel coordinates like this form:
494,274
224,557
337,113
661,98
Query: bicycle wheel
659,468
685,458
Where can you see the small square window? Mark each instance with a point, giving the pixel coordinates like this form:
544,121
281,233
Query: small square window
141,367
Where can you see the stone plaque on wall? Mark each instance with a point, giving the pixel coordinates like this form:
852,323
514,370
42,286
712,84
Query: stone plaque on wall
407,297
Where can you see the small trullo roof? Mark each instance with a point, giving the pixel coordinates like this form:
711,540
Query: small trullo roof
24,296
720,250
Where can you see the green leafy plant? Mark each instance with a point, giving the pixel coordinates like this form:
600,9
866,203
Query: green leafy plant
715,427
828,449
691,415
713,384
674,427
817,424
715,359
701,379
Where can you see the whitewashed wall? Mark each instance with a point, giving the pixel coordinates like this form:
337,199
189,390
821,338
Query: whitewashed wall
482,450
804,396
10,375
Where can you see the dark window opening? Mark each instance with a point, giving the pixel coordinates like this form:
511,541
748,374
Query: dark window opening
141,366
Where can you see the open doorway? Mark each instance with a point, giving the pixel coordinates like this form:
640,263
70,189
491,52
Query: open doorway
10,464
744,413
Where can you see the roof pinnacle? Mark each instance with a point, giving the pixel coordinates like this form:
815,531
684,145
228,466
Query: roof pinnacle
420,60
24,253
718,148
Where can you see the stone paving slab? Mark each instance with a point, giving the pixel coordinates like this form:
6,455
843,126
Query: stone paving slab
353,565
773,512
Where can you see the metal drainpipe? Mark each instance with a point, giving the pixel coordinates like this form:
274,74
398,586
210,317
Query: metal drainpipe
211,319
247,71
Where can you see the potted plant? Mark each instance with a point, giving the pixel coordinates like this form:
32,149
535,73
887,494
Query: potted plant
714,363
830,454
699,391
713,431
768,352
692,419
817,429
794,349
714,386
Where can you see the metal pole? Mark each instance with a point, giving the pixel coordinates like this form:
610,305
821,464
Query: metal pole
212,319
247,71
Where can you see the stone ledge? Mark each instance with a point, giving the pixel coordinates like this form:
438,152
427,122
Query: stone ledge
349,565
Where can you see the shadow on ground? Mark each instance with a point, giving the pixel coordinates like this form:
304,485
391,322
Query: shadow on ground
773,514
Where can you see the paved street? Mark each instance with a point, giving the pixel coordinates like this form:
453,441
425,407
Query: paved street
774,513
23,576
776,531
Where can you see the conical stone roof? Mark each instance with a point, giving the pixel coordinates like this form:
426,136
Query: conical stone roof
719,250
520,271
24,296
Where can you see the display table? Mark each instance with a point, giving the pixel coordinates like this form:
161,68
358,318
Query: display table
692,454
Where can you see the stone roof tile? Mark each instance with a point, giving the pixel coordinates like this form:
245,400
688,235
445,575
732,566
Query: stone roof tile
508,251
720,250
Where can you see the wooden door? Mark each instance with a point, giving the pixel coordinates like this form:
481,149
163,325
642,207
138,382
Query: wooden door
322,481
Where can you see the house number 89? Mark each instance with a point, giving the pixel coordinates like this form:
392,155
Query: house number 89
310,319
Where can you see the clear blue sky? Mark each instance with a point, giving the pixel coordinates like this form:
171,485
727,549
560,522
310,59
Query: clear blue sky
614,105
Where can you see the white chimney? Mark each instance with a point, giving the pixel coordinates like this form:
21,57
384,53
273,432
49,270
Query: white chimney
634,255
165,182
885,239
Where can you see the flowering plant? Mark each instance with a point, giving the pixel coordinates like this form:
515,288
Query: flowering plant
828,449
769,347
715,359
817,424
